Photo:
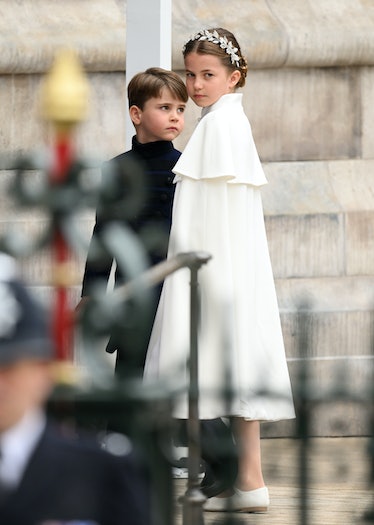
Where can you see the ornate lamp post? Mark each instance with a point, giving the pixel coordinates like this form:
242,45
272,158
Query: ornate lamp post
64,104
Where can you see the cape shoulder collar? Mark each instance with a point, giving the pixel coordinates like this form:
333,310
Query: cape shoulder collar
229,100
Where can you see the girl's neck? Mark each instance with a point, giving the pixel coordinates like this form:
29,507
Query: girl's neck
207,109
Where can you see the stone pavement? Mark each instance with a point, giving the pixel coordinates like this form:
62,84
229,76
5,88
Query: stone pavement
339,492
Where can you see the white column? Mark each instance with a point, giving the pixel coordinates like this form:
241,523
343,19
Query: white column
148,41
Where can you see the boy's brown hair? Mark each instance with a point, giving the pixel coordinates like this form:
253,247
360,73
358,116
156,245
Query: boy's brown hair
149,84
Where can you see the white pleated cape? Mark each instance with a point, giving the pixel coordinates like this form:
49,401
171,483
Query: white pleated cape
217,209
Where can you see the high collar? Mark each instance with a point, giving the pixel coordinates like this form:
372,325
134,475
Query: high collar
225,100
151,149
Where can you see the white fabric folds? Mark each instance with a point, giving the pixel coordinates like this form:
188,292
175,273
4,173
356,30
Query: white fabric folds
218,209
222,146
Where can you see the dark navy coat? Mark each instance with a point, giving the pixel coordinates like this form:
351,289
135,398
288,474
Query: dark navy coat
70,480
157,159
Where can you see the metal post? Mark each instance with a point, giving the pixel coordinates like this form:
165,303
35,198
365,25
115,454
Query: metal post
303,416
193,498
369,514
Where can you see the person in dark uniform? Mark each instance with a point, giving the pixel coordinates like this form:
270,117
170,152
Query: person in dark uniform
157,100
46,476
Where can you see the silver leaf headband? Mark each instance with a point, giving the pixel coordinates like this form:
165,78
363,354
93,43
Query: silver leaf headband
215,38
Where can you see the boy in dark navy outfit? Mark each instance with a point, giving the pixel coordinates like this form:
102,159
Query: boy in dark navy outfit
157,100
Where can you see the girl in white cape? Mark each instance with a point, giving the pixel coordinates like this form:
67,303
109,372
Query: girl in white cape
218,209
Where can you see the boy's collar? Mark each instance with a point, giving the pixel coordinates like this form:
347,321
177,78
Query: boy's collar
149,149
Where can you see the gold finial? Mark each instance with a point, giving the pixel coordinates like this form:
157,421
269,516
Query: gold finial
66,373
65,91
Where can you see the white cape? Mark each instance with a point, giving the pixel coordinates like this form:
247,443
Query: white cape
217,209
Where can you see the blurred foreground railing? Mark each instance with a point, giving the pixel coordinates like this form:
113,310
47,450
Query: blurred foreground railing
142,410
310,396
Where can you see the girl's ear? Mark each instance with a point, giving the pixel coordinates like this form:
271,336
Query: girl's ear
235,77
135,114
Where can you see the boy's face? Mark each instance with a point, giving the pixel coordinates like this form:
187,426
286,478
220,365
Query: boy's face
161,118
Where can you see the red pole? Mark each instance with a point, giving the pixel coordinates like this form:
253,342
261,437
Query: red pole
62,322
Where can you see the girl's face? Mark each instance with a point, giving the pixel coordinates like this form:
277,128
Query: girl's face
207,79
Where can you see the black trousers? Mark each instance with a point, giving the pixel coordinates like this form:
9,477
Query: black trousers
219,452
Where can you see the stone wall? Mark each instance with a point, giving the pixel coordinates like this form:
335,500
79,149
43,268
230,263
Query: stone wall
309,99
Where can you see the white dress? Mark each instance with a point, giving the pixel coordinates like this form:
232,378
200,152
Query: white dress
217,209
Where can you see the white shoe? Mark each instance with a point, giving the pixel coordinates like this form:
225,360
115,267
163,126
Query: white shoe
241,501
180,473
